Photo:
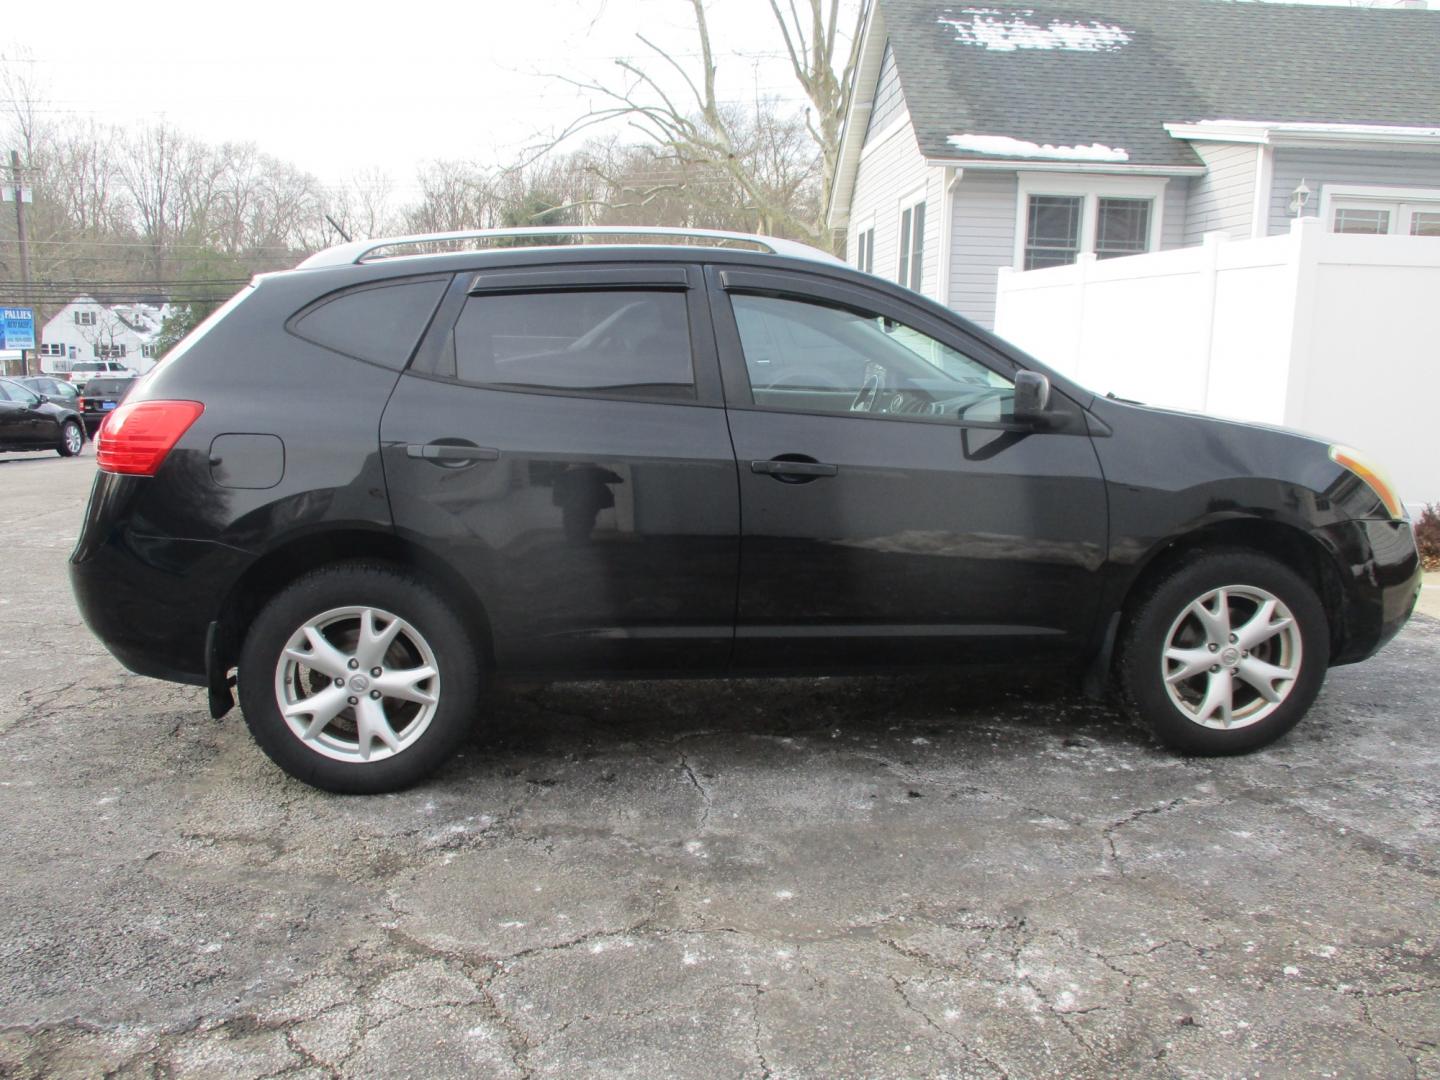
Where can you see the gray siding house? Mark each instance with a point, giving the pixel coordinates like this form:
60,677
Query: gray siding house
999,135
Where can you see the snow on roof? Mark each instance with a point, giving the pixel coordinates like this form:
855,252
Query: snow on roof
1002,32
1005,146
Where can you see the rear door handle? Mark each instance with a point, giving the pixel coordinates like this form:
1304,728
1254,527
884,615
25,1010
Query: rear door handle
794,470
443,453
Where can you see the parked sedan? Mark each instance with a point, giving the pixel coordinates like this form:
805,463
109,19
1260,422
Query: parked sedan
57,390
100,397
31,421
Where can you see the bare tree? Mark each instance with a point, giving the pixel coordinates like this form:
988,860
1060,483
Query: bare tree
679,112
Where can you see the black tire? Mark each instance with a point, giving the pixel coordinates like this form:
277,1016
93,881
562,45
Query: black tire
1140,667
372,585
72,439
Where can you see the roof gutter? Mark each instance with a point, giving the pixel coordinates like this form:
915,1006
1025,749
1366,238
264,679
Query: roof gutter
1284,133
1043,165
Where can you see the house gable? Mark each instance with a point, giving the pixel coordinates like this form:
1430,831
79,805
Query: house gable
889,102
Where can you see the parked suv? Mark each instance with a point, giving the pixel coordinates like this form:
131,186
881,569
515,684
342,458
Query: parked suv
82,371
372,483
102,396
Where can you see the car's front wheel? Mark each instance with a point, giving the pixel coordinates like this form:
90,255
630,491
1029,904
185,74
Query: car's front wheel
1225,653
72,439
358,678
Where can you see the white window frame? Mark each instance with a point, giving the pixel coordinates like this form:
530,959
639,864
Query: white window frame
909,201
863,226
1090,189
1402,202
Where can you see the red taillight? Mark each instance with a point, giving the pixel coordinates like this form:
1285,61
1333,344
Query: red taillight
136,437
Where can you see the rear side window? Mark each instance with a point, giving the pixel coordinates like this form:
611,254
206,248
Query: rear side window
378,323
632,343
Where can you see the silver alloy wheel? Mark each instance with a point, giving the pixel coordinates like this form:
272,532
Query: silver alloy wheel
357,684
1232,657
74,440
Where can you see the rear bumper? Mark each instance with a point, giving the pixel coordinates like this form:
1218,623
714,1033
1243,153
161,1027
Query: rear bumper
1380,582
149,599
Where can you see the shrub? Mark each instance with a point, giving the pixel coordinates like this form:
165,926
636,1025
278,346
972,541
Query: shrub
1427,537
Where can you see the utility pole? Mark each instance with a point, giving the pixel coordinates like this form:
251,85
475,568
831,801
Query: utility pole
24,246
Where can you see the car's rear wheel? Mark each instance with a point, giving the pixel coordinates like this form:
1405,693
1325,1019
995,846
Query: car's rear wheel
1225,653
358,678
72,439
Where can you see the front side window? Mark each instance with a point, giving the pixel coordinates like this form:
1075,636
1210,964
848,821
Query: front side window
632,343
809,357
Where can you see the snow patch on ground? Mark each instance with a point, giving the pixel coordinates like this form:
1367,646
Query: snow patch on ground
1005,146
1000,31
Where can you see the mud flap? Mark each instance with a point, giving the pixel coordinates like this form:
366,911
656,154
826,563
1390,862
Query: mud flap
217,675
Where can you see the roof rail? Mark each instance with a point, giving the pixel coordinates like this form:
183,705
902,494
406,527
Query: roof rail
360,251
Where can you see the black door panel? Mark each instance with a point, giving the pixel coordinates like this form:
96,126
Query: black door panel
914,550
923,540
600,533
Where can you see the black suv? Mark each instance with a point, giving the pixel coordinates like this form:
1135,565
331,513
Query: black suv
102,395
372,482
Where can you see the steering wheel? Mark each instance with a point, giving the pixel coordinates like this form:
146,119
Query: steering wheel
872,386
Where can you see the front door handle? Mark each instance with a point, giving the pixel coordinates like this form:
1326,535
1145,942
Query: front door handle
794,469
451,454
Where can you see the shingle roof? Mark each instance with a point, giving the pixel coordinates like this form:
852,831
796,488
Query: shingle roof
1106,75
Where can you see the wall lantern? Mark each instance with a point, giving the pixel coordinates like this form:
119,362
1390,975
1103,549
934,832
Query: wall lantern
1298,199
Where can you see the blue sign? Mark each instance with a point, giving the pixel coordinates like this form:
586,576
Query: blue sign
17,328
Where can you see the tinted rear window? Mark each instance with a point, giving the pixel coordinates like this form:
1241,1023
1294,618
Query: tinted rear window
631,343
99,387
378,323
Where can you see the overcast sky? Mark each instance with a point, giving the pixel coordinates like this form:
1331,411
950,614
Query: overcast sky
338,88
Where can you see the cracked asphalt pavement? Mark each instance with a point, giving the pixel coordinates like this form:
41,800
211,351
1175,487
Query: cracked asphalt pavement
964,876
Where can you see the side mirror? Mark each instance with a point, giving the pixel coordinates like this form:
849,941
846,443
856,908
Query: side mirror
1032,397
44,399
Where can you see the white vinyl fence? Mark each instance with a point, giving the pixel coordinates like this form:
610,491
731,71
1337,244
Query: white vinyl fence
1330,334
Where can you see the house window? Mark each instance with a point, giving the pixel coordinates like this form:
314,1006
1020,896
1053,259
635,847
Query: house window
147,351
865,251
1122,227
110,352
1062,216
1351,219
48,349
84,318
1052,235
1381,211
912,246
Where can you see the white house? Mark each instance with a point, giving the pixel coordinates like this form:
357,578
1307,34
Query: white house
85,329
1203,204
988,135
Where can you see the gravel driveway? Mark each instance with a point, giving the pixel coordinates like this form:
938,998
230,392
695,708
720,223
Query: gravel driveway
937,876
